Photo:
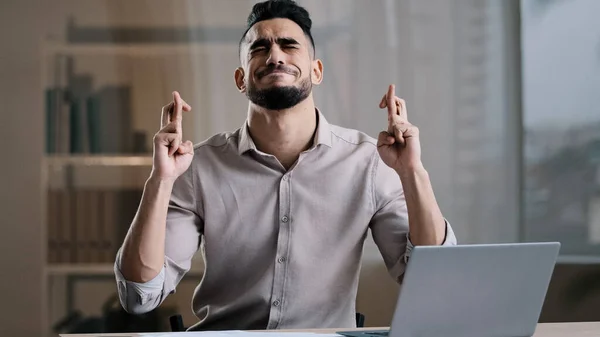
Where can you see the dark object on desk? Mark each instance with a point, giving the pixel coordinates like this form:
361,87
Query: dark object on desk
114,320
176,322
360,320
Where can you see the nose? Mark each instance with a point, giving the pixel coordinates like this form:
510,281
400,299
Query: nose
276,56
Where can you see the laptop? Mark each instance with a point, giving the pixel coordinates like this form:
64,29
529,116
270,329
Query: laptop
483,290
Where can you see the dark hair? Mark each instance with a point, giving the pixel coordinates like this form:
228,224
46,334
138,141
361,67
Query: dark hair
285,9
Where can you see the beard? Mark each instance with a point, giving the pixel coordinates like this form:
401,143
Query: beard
280,98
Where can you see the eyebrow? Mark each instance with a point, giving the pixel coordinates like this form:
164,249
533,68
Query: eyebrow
282,41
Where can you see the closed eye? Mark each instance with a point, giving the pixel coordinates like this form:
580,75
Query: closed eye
259,45
258,49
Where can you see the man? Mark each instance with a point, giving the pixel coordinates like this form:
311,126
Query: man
280,207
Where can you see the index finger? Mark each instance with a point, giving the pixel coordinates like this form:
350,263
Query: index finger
177,110
165,115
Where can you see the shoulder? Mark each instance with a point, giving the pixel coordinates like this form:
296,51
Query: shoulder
218,142
352,137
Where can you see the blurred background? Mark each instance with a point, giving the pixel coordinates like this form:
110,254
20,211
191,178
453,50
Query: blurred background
504,92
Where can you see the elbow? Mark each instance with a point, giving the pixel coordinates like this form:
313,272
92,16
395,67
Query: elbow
397,270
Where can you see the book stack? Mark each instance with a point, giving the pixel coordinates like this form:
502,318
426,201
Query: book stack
88,226
90,208
81,120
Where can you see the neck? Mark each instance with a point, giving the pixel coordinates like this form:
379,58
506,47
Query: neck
283,133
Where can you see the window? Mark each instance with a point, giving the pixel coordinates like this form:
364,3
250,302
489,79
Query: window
561,123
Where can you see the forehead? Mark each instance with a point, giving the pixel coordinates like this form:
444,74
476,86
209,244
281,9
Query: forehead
276,28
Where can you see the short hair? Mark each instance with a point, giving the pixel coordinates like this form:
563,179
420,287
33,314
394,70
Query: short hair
285,9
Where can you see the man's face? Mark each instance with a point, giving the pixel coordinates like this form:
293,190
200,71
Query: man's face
278,69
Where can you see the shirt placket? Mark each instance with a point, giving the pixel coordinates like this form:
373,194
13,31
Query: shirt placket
281,257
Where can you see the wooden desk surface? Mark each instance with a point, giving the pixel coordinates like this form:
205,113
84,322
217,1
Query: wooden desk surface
568,329
585,329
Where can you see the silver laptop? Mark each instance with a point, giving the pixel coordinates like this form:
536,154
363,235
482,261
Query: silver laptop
484,290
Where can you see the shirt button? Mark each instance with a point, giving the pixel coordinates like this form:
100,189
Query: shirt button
284,218
276,303
285,178
281,259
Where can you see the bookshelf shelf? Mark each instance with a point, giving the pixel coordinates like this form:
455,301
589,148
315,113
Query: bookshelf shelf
79,269
136,49
99,160
99,269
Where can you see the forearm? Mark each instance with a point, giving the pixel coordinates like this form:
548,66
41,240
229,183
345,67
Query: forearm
143,250
426,222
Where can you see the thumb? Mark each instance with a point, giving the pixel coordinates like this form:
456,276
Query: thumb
385,139
186,147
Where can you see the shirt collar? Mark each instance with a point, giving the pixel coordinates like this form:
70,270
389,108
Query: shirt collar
245,143
322,136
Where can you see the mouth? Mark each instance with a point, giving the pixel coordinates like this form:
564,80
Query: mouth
275,72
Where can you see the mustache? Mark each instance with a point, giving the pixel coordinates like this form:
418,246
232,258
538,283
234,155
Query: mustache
272,68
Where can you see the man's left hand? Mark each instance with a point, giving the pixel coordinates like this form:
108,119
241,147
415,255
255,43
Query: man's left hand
399,146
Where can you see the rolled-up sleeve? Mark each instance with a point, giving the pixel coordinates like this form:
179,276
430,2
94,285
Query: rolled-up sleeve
389,224
139,298
182,240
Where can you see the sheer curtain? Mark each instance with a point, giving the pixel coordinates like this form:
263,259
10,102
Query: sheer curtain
452,61
456,65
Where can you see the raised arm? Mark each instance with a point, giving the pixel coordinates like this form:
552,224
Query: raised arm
150,262
406,211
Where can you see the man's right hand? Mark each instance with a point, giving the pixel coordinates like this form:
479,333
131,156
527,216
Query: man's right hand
143,252
172,156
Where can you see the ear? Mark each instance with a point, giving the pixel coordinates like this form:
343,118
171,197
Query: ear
239,79
317,71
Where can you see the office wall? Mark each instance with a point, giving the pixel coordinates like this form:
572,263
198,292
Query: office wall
21,133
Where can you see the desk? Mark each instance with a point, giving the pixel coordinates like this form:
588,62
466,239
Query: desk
586,329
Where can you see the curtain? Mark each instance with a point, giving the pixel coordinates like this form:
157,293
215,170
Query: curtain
455,64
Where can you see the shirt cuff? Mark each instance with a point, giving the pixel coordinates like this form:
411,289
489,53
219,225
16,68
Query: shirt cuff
139,297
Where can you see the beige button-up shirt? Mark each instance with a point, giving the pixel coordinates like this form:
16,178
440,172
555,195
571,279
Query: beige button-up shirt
282,249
